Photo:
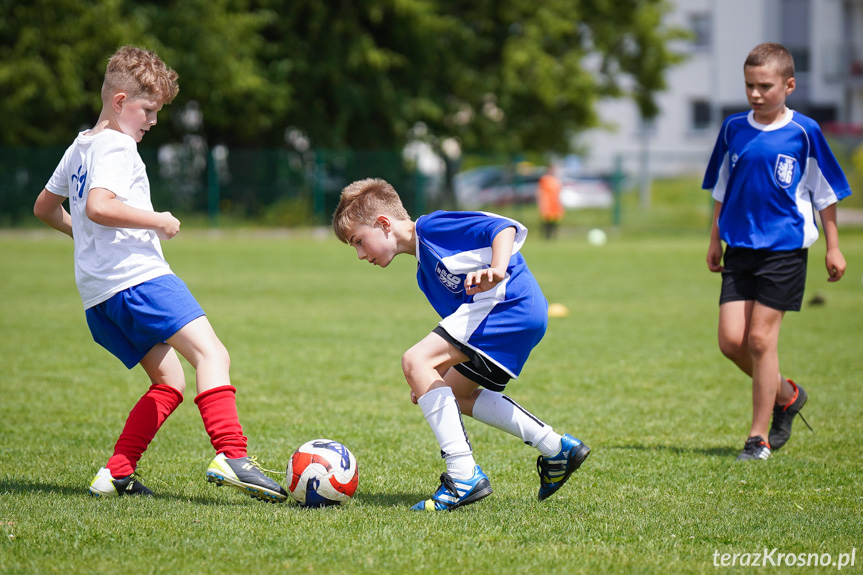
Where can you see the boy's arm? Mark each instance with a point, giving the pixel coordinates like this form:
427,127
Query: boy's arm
714,251
49,208
501,252
834,260
105,209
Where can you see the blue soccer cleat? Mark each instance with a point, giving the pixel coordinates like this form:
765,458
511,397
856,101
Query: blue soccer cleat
554,471
455,493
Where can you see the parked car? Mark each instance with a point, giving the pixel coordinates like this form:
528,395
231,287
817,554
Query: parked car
496,186
585,192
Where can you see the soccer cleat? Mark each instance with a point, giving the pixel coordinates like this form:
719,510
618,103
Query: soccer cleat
245,474
755,448
103,485
783,416
455,493
554,471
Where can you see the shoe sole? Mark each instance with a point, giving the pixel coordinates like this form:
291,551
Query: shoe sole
577,459
482,490
253,491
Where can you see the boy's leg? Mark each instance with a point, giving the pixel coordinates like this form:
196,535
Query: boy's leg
763,342
501,412
560,455
150,412
734,326
464,482
423,365
216,401
734,319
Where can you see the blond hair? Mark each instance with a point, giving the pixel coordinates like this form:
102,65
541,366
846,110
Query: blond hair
362,202
139,73
772,53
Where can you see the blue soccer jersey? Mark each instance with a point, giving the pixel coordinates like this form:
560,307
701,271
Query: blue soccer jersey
770,179
503,324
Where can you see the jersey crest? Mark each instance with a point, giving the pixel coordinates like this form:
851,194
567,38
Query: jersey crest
451,281
79,180
786,167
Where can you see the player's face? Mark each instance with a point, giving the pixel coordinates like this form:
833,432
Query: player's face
137,116
766,90
376,244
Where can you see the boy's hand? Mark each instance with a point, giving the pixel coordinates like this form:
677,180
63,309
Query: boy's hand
835,264
483,280
714,257
169,226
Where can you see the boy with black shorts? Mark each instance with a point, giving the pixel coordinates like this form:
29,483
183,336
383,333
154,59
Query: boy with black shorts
770,170
470,267
135,306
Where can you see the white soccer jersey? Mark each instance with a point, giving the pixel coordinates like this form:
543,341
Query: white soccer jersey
503,324
107,260
769,179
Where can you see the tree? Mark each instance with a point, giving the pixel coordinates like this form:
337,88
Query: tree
500,75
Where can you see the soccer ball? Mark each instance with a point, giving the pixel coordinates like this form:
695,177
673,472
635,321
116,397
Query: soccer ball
322,472
596,237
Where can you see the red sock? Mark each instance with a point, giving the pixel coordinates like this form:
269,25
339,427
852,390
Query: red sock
143,422
218,407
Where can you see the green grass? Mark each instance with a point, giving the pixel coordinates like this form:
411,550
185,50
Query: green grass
316,340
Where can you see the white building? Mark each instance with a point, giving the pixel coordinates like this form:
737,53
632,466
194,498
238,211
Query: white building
825,37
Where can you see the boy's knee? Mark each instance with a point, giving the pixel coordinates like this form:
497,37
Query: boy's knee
732,349
410,363
759,344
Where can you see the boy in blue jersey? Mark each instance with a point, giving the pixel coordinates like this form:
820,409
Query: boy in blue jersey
770,170
470,268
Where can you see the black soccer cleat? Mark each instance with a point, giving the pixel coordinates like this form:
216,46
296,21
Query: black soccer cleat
783,416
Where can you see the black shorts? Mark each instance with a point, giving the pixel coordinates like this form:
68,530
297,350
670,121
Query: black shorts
478,368
774,279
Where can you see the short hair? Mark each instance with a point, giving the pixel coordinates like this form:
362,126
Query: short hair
139,73
362,202
772,53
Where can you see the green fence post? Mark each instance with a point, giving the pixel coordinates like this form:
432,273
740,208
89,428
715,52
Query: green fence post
616,190
213,190
419,194
319,200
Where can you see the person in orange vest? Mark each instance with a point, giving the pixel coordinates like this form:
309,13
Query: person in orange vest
548,202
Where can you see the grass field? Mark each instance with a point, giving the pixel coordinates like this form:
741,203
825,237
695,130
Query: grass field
316,340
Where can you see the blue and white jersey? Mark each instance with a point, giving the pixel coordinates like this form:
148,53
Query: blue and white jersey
770,179
503,324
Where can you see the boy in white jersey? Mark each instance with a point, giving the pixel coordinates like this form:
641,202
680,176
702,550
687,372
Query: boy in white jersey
770,170
135,306
470,268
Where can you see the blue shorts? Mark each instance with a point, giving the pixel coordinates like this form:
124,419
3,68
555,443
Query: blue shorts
496,335
131,322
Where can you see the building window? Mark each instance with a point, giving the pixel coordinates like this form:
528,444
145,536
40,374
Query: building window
801,58
701,25
700,115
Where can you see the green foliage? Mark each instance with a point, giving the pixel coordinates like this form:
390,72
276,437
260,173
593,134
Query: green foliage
315,340
500,76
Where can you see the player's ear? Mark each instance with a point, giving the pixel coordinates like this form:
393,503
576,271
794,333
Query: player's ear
790,84
117,101
384,222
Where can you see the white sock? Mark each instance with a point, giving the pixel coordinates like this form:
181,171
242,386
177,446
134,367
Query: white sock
444,417
501,412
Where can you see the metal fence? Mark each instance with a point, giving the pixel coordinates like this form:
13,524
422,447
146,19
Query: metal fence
271,187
